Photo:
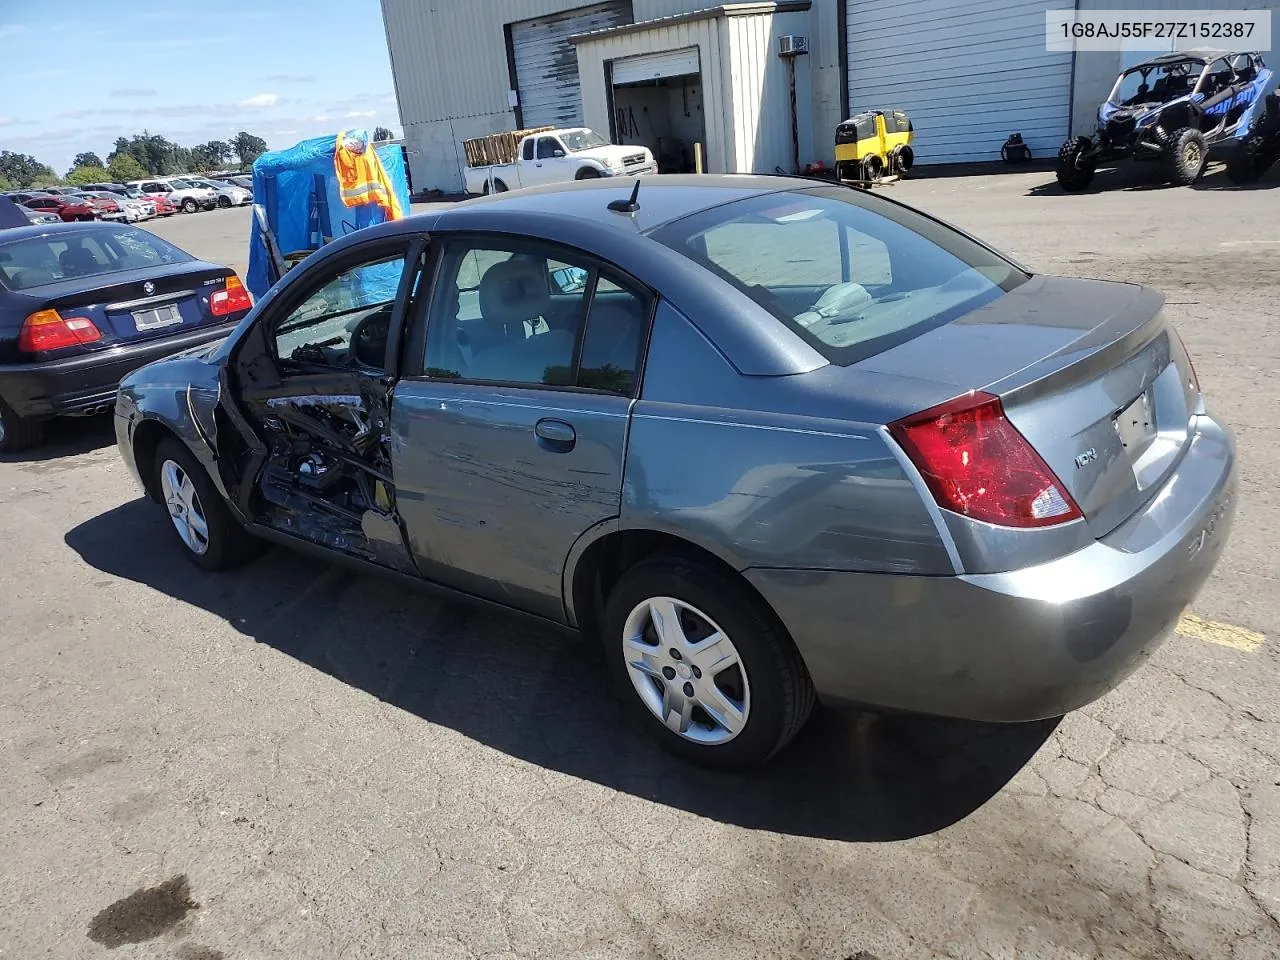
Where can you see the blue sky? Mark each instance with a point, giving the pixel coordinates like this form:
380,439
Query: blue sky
282,69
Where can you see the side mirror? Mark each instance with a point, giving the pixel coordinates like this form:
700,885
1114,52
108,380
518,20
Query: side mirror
557,153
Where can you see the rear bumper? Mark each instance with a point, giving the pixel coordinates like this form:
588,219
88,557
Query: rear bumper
1021,645
87,384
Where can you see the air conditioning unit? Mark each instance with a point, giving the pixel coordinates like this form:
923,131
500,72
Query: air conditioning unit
792,45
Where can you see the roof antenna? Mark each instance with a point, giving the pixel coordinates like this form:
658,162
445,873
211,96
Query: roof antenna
628,206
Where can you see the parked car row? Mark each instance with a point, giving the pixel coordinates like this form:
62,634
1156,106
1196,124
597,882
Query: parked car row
136,200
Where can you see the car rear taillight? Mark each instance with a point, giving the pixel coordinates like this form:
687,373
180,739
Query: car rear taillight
49,330
232,299
976,463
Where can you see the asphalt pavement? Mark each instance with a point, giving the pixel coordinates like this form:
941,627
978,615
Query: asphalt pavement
293,761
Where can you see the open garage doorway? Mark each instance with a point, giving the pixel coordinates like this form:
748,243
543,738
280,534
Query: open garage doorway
657,103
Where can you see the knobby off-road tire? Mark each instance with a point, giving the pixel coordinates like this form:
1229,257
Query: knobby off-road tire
1075,168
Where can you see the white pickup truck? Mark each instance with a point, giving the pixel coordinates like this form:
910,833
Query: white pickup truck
554,156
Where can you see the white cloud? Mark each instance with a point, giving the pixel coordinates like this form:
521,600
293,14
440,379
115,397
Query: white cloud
6,121
284,133
258,101
360,113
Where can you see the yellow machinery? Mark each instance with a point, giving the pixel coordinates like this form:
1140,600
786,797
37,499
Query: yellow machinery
874,146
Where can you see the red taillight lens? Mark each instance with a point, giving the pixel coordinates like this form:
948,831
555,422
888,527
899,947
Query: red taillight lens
49,330
232,299
976,463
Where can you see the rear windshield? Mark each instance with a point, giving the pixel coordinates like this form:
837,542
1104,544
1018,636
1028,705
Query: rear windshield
850,273
41,261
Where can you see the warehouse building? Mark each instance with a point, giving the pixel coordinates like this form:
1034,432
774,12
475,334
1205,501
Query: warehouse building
680,75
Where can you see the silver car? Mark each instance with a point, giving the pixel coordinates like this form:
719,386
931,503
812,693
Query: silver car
762,437
228,194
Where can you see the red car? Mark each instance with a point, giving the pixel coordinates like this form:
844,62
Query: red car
68,208
105,207
164,206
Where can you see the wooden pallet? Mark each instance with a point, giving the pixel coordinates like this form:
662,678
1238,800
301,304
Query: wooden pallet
496,147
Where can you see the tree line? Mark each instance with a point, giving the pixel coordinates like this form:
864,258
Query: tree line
144,154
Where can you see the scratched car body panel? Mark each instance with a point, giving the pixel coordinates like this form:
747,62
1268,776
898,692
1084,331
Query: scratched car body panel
945,484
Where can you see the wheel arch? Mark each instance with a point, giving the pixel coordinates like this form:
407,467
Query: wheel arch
147,437
605,552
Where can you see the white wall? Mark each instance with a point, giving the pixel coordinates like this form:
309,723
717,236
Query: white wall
761,107
1096,70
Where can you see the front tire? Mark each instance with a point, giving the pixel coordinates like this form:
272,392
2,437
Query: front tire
224,202
1076,166
189,205
18,433
587,173
1186,156
200,519
702,665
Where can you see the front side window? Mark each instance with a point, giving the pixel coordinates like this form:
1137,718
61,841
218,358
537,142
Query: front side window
529,315
547,147
851,274
345,320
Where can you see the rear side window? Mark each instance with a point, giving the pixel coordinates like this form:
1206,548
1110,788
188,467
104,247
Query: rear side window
530,315
526,150
851,274
40,261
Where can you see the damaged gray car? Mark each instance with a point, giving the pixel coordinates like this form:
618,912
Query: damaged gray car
766,440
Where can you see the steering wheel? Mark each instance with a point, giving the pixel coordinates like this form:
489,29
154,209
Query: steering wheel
369,339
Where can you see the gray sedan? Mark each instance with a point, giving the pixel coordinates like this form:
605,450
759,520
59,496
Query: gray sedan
767,439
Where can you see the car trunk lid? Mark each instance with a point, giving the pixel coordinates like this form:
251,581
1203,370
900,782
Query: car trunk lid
1088,371
138,305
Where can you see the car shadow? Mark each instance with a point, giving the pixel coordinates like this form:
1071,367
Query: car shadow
541,695
1146,176
68,437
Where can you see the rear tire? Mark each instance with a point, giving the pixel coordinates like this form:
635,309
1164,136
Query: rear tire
872,167
499,186
224,202
1186,156
760,688
189,205
904,159
200,519
1075,167
18,433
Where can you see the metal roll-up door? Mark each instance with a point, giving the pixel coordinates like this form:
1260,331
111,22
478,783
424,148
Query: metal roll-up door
655,66
547,63
968,72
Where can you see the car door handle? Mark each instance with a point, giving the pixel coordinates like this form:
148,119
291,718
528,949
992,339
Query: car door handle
555,434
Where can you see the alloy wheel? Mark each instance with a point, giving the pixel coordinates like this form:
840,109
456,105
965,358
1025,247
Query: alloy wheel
185,509
686,670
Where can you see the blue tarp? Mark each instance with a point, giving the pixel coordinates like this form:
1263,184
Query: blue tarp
284,184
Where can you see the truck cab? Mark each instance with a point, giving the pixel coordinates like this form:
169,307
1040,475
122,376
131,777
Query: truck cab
551,156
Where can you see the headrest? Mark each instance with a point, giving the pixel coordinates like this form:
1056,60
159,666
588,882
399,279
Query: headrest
514,291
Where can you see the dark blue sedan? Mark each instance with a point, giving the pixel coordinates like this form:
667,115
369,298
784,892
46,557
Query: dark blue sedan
84,304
